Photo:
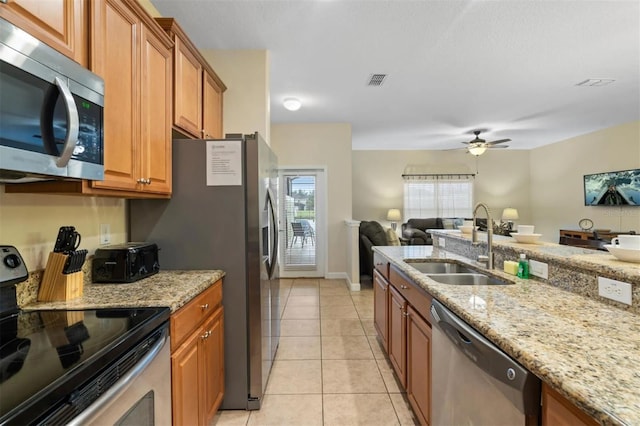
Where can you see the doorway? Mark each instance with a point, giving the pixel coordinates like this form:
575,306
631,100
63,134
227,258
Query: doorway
302,222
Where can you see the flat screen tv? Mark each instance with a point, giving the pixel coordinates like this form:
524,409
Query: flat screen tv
620,188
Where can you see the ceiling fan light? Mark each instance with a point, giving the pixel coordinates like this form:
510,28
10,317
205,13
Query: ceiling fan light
292,104
477,150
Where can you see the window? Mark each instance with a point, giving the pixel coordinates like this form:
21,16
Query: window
438,196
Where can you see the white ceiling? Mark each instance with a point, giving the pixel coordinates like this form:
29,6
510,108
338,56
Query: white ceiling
509,66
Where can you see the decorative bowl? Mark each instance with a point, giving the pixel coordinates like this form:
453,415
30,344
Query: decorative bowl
624,254
526,238
466,229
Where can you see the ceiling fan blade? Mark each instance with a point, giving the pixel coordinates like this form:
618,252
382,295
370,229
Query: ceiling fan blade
498,141
498,146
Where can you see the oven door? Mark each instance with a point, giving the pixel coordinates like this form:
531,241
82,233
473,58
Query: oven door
141,397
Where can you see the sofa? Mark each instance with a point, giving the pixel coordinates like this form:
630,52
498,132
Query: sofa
373,234
414,230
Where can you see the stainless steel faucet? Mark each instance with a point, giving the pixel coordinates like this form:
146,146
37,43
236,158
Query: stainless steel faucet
488,259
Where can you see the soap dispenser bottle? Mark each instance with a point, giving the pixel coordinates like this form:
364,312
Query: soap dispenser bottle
523,266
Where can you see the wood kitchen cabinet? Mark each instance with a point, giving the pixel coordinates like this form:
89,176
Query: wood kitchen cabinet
197,89
408,337
197,358
133,56
61,24
381,308
558,411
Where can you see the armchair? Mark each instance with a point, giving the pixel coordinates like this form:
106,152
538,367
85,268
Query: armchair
413,231
371,234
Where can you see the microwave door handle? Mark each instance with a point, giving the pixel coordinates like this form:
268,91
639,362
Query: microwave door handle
73,123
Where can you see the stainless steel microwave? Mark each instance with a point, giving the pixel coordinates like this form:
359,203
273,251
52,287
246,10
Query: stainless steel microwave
51,112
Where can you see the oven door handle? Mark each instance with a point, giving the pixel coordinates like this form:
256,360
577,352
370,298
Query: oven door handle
121,385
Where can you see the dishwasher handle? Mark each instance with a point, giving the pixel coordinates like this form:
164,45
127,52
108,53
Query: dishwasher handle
487,356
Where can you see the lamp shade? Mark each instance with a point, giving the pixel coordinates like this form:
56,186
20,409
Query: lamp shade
394,215
510,214
477,149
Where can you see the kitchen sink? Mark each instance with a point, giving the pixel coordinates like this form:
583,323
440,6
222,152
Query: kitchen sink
467,279
441,268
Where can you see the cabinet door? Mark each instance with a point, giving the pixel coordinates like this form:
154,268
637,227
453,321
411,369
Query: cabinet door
213,365
211,107
558,411
155,104
187,106
185,378
398,334
419,365
61,24
381,307
115,57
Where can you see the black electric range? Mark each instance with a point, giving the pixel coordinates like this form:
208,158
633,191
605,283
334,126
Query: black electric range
61,360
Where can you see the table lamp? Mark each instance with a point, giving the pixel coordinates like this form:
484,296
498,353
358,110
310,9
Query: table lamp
393,215
509,215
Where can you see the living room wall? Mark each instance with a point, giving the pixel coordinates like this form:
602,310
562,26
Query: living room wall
502,179
556,178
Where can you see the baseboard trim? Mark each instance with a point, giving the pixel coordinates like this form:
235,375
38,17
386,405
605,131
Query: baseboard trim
343,275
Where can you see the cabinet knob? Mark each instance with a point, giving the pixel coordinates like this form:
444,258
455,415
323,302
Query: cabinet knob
404,287
405,313
205,306
206,335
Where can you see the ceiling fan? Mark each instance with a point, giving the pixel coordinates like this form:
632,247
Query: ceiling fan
478,146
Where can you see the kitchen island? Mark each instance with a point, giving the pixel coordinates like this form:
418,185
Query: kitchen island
586,350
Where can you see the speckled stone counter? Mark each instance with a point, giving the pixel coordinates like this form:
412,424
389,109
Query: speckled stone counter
586,350
167,288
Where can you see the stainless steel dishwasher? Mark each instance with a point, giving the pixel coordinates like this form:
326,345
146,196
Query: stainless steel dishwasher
473,381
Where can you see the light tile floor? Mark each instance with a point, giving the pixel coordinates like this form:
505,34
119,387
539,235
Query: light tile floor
329,368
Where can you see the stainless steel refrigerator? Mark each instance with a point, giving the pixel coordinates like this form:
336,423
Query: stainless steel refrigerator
223,215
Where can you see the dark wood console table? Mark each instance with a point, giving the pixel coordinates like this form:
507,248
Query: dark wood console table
595,239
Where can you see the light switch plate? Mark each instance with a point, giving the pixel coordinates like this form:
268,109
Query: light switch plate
539,269
614,290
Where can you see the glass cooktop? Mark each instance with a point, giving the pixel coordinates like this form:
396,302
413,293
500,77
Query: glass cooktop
45,355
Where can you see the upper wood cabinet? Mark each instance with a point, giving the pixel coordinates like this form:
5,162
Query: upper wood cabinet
197,90
133,56
61,24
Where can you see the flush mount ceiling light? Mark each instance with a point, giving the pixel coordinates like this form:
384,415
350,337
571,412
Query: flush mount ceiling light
292,104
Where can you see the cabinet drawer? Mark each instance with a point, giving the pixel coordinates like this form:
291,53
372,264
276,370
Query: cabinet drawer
381,264
416,296
191,315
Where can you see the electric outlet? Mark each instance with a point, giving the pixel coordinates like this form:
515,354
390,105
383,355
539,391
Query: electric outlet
614,290
105,233
441,242
539,269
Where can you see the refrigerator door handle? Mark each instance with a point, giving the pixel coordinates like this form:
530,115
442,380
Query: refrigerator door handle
273,229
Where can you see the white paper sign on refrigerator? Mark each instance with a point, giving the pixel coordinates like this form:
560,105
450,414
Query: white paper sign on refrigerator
224,163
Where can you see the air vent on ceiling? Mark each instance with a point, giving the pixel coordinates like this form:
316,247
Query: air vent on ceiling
596,82
376,79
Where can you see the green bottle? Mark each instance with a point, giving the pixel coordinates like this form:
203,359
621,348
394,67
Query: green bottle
523,267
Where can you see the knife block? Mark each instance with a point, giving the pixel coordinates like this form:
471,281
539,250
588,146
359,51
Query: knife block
56,286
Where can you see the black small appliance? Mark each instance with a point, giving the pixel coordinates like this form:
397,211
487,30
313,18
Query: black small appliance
125,263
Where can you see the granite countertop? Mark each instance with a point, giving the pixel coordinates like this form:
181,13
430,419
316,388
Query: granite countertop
166,288
586,350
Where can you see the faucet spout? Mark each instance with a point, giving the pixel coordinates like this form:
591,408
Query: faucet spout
474,234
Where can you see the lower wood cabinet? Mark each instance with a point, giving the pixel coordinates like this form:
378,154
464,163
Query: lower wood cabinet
197,358
408,337
419,365
558,411
381,307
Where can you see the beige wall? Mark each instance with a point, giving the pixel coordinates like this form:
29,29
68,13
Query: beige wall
556,176
322,145
150,8
502,179
31,222
246,100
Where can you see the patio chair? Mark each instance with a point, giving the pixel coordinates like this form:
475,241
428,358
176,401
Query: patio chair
299,230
